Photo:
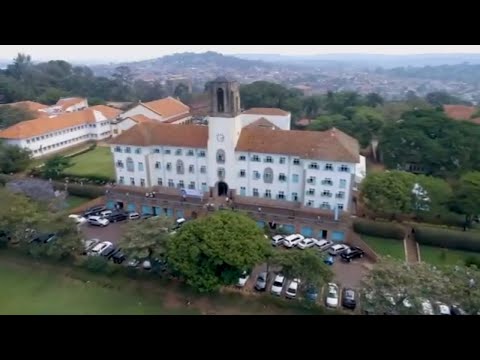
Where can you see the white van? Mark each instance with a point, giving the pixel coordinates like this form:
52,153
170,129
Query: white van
292,240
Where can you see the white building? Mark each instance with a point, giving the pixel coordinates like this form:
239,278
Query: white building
168,110
49,134
66,105
252,154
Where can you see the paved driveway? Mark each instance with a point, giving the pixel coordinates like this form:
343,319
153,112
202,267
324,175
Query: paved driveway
111,233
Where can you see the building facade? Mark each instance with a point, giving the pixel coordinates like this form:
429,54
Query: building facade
251,154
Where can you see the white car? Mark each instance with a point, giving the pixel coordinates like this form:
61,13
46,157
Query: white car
332,295
307,243
277,285
338,249
324,244
98,221
106,213
243,279
292,240
79,220
100,248
133,216
443,309
277,240
427,308
89,244
292,289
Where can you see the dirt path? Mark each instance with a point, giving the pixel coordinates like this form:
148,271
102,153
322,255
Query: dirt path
411,248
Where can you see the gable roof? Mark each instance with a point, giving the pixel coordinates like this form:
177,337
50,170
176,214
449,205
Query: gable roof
107,111
27,105
167,107
267,111
44,125
461,112
264,123
140,118
332,145
156,133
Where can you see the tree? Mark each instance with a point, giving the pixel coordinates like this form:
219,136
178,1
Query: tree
466,196
388,192
146,239
213,251
182,92
55,166
13,159
123,74
10,115
21,65
393,284
373,99
438,194
305,265
440,98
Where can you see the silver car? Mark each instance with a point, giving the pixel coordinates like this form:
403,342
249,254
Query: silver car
261,283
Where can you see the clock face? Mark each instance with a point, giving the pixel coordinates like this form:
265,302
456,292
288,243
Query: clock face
220,137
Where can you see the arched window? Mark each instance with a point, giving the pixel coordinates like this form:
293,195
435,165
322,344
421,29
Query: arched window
220,156
180,167
268,175
130,165
220,100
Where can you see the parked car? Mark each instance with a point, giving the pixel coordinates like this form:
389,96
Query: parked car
332,295
277,285
101,248
324,244
89,245
94,211
133,216
78,219
243,279
262,281
114,217
292,289
178,224
457,310
352,253
98,221
311,293
442,308
349,299
106,213
307,243
133,263
338,249
108,252
277,240
118,256
147,265
427,308
292,240
44,238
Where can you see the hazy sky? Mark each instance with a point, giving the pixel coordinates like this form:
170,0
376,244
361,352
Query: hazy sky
140,52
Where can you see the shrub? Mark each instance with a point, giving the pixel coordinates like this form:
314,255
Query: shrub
448,219
372,228
90,148
96,264
449,239
472,261
86,191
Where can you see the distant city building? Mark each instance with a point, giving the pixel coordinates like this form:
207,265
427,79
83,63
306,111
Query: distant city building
306,90
462,112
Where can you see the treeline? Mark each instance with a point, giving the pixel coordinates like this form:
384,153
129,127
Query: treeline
46,82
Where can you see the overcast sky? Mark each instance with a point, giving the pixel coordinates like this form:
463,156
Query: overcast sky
140,52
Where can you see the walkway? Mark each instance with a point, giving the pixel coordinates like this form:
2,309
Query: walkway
411,249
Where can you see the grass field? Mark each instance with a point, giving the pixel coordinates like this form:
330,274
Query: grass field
99,161
439,256
385,246
75,201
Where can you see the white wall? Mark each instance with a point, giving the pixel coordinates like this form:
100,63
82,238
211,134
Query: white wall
122,126
283,122
78,106
141,110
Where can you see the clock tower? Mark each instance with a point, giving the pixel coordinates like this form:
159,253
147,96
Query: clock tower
224,126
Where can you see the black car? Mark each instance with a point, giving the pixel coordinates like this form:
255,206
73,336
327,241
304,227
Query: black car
118,256
44,238
108,252
94,211
117,216
349,299
352,253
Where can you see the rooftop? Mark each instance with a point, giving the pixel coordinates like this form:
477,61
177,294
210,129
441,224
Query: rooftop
266,111
167,107
461,112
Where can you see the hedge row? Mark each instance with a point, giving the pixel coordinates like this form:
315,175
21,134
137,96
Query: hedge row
372,228
90,148
449,239
448,219
86,191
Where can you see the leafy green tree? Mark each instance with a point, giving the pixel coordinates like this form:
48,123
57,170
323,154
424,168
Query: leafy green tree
10,115
439,98
391,284
123,74
13,159
213,251
388,192
55,166
373,99
438,194
146,239
466,196
305,265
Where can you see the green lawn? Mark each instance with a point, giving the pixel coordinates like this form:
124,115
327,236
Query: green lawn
99,161
386,246
439,256
75,201
43,292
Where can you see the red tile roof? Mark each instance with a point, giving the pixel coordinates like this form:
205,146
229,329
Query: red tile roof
67,102
332,145
155,133
28,105
167,107
266,111
141,118
107,111
264,123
